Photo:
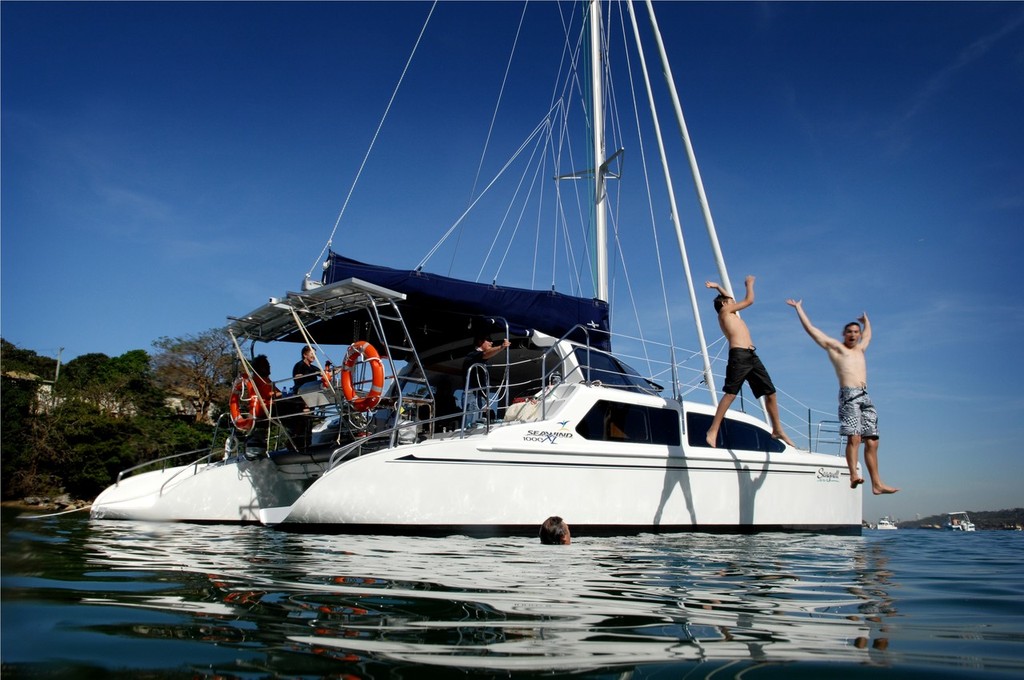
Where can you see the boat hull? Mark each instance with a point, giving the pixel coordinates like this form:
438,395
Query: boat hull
501,484
959,521
230,491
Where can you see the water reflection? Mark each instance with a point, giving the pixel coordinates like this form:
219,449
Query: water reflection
500,603
873,582
227,599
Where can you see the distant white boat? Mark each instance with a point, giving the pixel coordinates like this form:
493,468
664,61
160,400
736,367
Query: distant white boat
886,523
959,521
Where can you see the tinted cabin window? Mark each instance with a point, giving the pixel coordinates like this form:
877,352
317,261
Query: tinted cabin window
613,421
732,435
609,370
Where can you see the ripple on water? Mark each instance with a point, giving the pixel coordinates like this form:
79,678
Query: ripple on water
234,598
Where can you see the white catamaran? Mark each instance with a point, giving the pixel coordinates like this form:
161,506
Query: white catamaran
389,442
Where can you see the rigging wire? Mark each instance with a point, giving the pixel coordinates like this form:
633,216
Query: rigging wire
650,208
373,141
541,142
558,111
562,90
522,147
671,197
574,85
490,130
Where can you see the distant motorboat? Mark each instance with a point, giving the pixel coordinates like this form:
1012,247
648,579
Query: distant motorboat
886,523
959,521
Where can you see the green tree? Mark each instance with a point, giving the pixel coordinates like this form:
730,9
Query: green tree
24,373
196,369
20,474
18,360
105,415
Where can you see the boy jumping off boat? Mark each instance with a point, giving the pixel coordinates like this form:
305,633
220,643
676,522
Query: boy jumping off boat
744,364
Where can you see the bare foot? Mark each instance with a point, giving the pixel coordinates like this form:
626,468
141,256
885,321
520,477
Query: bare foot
783,437
854,483
879,490
712,439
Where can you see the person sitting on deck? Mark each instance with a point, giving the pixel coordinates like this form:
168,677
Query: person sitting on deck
304,373
287,410
476,399
261,367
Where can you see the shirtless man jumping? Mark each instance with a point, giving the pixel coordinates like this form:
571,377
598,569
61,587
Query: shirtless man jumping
744,364
857,416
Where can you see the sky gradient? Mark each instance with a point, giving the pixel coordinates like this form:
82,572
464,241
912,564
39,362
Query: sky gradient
166,165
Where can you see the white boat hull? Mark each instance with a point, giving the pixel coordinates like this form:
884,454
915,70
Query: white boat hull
959,521
225,492
505,483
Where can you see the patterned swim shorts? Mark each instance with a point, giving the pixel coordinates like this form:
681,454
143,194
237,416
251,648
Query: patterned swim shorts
857,415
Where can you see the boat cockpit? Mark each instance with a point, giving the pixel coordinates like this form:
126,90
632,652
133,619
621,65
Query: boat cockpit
393,392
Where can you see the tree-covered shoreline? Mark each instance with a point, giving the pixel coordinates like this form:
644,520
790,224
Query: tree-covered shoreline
71,428
983,519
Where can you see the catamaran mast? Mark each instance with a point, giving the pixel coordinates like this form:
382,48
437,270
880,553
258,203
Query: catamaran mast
669,188
597,121
702,198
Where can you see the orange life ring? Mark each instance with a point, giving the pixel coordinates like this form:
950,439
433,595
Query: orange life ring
363,349
246,402
244,392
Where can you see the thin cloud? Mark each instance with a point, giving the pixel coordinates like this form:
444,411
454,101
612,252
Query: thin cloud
941,80
133,205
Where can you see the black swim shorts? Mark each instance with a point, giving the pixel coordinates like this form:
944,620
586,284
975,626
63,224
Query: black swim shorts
744,365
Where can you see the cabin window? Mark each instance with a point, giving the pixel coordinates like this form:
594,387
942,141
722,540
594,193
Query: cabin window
609,370
618,422
732,435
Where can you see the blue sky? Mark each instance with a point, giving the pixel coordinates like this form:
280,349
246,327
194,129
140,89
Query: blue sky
165,165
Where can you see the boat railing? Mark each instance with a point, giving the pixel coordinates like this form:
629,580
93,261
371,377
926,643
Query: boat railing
476,390
552,370
294,415
519,383
208,451
822,435
383,439
536,386
826,432
406,428
587,364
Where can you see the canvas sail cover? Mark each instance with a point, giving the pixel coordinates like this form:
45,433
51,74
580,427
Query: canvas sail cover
439,310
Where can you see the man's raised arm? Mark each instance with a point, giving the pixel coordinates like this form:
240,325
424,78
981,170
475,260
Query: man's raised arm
816,335
865,335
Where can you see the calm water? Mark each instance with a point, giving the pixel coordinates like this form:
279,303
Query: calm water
92,599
